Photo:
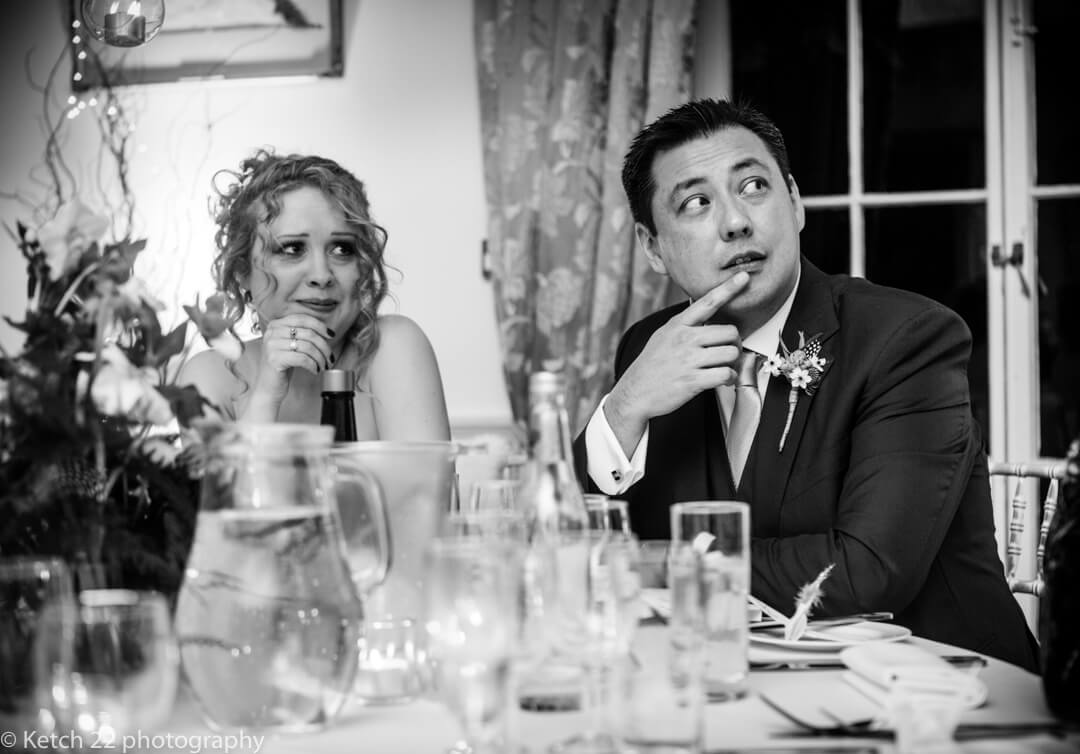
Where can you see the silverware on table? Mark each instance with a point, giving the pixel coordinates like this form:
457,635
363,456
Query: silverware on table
831,663
840,620
801,750
867,728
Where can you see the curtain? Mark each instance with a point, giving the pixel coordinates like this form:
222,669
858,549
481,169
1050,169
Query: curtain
564,86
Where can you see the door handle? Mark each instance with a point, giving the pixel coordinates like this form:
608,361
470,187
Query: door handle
1015,259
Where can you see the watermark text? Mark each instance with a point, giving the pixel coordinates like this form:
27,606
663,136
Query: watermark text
105,740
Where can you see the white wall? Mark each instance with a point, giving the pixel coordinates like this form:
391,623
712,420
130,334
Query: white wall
404,118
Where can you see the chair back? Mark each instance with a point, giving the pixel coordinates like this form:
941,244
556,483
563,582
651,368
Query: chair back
1025,543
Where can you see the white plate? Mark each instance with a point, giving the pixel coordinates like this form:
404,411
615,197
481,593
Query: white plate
850,635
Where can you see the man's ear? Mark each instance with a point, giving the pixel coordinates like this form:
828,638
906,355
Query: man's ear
651,246
796,201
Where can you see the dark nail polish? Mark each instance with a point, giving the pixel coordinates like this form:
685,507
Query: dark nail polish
333,358
332,333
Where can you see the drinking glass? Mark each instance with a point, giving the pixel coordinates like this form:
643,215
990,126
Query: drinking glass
608,514
709,576
392,665
109,667
925,716
268,617
614,586
27,586
473,623
495,494
662,702
490,524
486,462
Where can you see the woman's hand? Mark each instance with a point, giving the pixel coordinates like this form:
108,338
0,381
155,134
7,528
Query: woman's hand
291,341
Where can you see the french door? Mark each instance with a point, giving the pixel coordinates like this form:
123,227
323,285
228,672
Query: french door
935,147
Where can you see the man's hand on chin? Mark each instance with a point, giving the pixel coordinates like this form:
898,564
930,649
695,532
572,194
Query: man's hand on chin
681,359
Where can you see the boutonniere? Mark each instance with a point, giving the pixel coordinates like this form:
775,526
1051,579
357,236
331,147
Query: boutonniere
802,367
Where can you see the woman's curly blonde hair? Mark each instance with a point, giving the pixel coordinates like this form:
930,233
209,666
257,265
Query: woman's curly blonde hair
252,200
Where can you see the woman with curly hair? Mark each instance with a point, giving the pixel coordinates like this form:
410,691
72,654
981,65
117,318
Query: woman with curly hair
297,245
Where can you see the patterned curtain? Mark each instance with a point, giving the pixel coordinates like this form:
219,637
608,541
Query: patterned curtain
564,86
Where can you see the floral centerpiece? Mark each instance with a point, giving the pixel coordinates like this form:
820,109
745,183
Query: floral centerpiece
91,467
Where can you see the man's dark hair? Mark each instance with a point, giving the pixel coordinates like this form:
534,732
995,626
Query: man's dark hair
693,120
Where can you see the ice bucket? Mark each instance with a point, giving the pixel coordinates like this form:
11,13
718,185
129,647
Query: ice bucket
416,480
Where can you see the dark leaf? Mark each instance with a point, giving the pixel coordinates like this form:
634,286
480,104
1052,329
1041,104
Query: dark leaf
120,259
211,321
186,402
169,346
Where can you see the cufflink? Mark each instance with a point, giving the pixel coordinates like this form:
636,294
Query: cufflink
616,475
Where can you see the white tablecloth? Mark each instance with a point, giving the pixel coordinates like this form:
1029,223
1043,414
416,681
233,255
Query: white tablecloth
425,727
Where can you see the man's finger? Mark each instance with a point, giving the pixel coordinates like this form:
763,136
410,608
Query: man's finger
725,355
700,311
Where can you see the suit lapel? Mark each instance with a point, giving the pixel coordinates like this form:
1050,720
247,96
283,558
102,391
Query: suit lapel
812,312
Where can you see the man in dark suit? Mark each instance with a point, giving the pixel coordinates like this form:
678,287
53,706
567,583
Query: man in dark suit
869,458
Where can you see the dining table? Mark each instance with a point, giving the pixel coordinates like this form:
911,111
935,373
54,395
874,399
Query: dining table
750,724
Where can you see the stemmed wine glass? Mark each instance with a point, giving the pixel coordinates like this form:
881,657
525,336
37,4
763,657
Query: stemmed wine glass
472,591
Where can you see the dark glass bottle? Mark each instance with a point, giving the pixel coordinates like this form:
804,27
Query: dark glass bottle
338,410
1059,605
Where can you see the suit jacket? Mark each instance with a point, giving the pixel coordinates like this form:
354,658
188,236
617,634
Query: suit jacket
883,471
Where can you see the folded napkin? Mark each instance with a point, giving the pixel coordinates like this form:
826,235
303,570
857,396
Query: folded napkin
879,670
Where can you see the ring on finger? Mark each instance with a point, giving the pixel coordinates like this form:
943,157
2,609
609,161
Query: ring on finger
292,334
292,344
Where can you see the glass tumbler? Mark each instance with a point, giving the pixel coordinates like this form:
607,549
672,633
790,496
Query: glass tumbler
109,669
709,577
27,586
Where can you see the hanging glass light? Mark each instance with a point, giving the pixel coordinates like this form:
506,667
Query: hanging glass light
123,23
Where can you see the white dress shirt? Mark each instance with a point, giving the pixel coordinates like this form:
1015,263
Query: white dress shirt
609,467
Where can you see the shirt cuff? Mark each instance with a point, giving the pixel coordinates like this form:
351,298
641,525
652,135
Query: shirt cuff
609,467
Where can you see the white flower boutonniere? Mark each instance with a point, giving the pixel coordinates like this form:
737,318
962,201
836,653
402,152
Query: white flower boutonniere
802,367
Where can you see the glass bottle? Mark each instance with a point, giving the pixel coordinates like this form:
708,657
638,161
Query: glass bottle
556,570
338,410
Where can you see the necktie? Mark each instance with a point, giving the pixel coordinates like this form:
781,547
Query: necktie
744,415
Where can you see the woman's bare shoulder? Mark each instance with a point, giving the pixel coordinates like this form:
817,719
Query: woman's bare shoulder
217,378
398,325
404,379
400,339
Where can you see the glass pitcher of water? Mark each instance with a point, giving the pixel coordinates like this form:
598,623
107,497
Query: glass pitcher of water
268,617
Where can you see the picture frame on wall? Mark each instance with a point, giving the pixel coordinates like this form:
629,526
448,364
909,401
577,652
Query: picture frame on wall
202,40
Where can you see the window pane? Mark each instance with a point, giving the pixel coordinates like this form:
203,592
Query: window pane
1056,71
1059,323
942,260
923,95
789,59
826,240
